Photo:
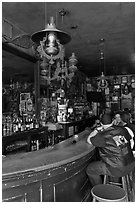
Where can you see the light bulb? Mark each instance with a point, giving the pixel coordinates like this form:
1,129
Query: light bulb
51,46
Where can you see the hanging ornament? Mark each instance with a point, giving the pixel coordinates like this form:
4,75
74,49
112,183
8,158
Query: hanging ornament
102,84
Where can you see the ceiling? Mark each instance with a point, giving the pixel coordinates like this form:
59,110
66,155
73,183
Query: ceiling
87,23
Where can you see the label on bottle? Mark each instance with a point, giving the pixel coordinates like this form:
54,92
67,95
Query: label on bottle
14,128
36,125
37,142
4,131
17,128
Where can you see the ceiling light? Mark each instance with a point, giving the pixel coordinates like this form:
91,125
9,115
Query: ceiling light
49,48
49,41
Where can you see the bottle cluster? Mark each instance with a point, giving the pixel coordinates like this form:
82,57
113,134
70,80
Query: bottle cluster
13,123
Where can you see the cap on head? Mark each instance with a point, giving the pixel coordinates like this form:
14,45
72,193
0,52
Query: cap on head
106,119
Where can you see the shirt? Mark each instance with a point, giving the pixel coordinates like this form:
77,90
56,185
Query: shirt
97,130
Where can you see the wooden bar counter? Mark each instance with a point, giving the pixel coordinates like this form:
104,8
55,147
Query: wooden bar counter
55,173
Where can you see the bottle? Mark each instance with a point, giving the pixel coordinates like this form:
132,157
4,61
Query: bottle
30,122
16,122
4,130
36,122
14,125
37,144
34,145
8,125
19,124
27,123
23,125
11,126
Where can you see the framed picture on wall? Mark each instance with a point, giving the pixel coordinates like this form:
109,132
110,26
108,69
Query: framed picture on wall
132,79
124,79
24,96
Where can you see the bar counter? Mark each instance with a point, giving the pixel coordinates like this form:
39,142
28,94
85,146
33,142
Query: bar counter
55,173
74,127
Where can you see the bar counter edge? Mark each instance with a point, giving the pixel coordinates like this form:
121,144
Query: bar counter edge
52,174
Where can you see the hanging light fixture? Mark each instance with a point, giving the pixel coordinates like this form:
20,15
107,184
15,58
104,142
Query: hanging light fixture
49,42
102,84
49,48
72,62
64,70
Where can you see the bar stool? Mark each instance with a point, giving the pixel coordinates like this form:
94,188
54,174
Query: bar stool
108,193
126,182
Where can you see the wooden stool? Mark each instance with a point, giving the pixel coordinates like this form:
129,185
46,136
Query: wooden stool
108,193
126,183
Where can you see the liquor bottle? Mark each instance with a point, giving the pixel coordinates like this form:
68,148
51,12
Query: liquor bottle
27,123
33,145
8,125
37,144
36,123
14,125
23,125
30,122
19,124
11,126
16,122
4,130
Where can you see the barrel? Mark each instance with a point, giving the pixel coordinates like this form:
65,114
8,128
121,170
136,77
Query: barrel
108,193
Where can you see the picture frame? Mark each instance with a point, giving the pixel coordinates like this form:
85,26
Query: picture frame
24,96
132,79
124,79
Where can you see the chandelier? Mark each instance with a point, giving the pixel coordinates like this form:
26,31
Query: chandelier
64,70
48,42
50,51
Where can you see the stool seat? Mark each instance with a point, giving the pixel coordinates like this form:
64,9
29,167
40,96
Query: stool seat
126,182
108,193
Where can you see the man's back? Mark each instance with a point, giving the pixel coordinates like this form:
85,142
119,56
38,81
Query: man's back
114,147
116,157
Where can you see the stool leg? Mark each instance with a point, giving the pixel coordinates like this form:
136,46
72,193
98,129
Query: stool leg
94,199
105,179
132,178
130,187
124,185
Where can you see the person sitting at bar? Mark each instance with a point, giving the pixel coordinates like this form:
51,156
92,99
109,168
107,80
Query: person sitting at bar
126,121
116,157
117,119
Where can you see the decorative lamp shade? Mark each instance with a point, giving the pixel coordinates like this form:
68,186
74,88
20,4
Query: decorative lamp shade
44,64
44,68
73,60
72,68
44,72
62,36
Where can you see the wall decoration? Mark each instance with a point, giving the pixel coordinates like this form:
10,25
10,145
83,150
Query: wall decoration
124,79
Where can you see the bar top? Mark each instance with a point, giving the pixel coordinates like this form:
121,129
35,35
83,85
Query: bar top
50,157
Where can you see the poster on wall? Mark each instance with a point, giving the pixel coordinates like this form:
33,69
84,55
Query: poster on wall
126,101
24,103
